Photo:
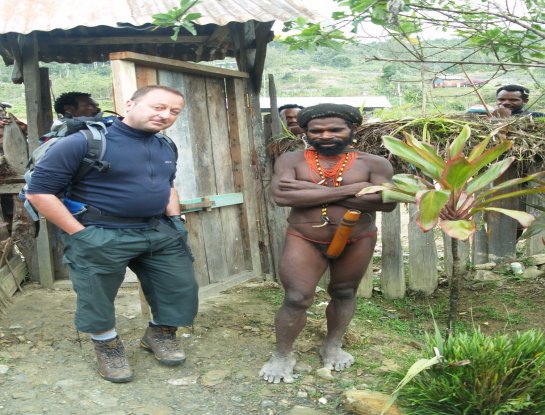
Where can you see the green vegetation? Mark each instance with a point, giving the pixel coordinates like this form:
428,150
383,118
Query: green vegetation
351,71
481,374
95,78
357,70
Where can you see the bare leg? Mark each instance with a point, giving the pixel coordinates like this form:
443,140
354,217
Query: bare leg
300,270
289,322
346,274
339,313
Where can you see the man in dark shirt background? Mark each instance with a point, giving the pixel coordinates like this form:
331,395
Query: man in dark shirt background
510,101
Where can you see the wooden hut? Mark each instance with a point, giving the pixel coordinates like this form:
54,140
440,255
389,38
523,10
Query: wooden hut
219,135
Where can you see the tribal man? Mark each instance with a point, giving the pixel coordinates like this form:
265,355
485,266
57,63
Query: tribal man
320,184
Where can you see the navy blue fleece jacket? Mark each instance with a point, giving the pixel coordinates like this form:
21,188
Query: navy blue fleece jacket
138,183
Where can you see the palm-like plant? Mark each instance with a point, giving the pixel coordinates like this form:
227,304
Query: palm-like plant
454,187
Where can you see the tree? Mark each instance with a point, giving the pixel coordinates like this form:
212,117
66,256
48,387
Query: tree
452,188
509,35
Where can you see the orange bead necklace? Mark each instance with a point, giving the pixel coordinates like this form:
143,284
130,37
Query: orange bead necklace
324,176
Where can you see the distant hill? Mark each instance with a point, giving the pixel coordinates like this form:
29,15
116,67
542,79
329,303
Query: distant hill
352,71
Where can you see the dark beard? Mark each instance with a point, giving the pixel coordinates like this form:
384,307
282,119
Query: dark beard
335,150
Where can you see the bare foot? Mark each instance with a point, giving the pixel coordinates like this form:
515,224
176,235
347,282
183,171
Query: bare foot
335,358
278,368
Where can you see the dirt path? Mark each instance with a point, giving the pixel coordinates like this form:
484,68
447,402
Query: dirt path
43,370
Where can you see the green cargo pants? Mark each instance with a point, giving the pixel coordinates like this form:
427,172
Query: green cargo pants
97,259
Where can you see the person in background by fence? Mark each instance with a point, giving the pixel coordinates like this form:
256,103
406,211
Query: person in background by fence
129,216
75,104
288,115
510,101
320,184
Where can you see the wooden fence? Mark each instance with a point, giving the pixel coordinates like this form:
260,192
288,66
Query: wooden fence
416,266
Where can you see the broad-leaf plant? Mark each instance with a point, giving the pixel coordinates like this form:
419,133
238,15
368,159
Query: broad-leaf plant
451,188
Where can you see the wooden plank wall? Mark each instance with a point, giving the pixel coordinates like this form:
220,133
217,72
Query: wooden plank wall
223,172
199,125
205,168
423,275
207,164
246,180
392,275
186,176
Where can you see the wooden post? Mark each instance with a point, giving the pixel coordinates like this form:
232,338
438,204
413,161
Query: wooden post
35,129
251,40
480,241
463,254
4,233
422,257
365,288
535,244
276,215
45,259
244,176
45,99
125,83
22,230
503,229
276,126
31,76
392,274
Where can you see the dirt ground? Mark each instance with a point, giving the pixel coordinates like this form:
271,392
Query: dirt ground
45,370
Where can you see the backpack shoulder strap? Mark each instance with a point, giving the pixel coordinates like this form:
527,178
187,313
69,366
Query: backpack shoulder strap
170,143
95,134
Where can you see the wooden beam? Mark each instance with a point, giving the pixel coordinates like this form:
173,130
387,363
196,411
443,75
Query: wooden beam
124,83
17,73
31,76
250,40
209,202
177,66
45,99
233,280
145,76
11,278
220,35
35,129
262,36
50,41
10,188
276,125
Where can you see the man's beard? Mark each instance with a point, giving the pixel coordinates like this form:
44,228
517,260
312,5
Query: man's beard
338,148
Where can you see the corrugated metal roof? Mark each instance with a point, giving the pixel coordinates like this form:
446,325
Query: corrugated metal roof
25,16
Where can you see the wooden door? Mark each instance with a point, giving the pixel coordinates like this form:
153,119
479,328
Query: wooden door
214,173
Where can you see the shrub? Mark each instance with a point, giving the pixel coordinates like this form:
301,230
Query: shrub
482,375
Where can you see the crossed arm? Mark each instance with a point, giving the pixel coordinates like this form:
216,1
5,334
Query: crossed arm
288,191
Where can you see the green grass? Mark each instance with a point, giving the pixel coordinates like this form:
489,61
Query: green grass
480,374
272,296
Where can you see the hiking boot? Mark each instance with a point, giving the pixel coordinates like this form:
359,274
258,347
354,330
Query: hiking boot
162,341
112,363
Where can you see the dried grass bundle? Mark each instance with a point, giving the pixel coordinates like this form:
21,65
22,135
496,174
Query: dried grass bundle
527,134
